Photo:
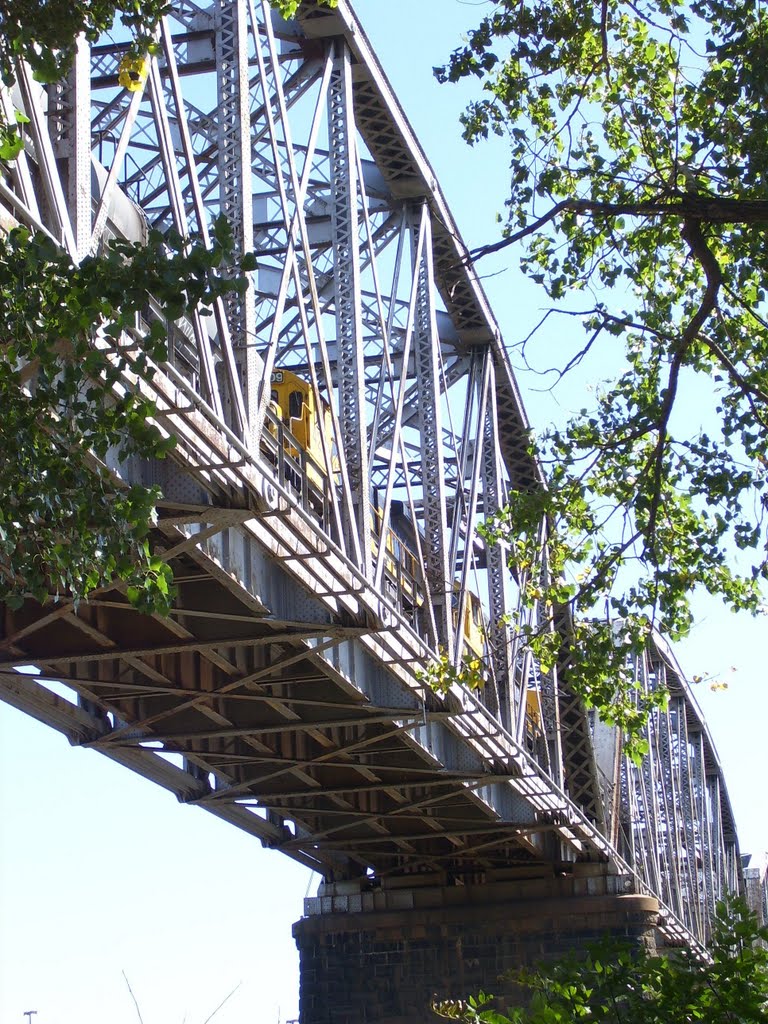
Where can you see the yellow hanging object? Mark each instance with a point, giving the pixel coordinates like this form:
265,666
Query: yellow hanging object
132,72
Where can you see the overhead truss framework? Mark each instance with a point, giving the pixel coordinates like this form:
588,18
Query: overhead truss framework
342,427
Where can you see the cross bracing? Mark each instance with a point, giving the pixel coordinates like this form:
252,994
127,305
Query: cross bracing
341,429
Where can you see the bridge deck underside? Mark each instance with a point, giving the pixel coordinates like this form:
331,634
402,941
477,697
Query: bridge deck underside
254,718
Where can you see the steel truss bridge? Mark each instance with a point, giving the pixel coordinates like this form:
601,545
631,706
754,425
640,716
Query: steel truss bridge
315,581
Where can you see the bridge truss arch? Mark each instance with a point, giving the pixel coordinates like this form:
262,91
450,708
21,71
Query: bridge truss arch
341,429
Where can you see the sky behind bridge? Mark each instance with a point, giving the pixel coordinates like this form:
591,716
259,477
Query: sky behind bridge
101,872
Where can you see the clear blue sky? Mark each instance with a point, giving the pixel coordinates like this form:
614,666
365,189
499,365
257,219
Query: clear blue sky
101,872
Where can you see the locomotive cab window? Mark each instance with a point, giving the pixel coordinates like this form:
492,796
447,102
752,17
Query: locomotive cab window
295,402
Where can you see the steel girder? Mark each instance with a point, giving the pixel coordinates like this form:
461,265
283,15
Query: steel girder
345,233
670,816
283,692
235,199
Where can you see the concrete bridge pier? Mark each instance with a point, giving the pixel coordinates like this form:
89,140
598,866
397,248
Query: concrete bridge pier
381,956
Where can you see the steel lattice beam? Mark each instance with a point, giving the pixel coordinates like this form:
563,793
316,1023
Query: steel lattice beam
316,578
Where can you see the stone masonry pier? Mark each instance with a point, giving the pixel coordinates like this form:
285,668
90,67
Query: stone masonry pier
381,957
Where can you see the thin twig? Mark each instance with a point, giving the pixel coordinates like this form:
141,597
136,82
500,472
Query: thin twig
733,372
133,997
211,1016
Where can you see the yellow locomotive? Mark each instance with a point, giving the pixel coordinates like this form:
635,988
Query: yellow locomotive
472,625
292,403
295,414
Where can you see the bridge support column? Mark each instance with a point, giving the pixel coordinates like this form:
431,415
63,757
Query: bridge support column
380,957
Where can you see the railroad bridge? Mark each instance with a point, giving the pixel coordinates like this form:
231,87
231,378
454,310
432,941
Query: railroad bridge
341,429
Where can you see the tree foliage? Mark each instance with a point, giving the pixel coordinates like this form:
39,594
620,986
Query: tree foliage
288,8
66,526
638,134
619,984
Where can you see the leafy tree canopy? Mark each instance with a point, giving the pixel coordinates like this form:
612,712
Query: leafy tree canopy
618,984
66,527
638,134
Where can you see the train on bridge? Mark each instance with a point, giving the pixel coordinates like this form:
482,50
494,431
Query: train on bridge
341,429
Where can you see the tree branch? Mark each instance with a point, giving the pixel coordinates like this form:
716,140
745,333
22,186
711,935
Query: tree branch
691,208
742,383
604,35
693,235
